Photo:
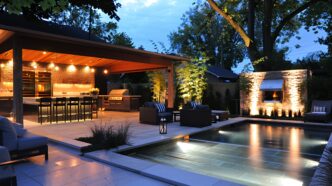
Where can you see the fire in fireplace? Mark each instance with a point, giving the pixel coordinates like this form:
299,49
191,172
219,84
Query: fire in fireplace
272,96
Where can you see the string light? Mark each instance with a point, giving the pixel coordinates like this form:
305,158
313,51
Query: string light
105,71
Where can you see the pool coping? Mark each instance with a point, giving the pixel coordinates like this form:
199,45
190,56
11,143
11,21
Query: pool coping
79,145
173,175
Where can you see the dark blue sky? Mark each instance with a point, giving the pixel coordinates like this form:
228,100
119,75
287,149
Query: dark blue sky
146,20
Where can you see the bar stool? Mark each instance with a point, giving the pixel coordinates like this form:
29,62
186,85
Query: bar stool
73,108
95,106
45,104
86,107
59,109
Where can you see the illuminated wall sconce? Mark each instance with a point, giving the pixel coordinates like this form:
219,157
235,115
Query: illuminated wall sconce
87,69
71,68
93,70
51,65
105,71
56,68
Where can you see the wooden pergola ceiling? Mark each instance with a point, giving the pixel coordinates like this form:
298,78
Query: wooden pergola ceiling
115,66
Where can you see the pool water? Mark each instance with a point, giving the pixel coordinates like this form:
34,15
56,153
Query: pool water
249,154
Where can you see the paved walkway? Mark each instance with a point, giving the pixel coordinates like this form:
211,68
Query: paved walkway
66,167
140,134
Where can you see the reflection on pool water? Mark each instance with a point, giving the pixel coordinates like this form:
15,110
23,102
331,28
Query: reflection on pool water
251,154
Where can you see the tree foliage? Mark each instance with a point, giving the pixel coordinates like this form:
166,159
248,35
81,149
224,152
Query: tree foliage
91,20
158,86
44,9
191,79
270,23
203,31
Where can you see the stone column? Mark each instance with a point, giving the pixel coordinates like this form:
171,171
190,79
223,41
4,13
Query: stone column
170,87
17,82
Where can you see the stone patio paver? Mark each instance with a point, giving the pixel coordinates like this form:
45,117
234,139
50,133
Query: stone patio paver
140,134
66,167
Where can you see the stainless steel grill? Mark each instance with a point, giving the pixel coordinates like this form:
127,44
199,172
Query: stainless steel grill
117,94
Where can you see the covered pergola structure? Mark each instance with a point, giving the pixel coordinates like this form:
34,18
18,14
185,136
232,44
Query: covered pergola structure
43,42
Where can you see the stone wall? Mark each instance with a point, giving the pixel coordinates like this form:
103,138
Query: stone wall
294,92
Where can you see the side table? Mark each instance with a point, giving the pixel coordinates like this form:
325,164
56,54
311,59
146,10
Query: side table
176,114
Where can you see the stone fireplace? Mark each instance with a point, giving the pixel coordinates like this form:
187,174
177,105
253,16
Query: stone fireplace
279,92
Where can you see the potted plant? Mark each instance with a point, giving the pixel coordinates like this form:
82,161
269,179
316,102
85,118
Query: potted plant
94,91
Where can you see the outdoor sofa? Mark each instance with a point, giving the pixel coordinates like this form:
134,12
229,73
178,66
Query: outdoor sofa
320,111
195,115
20,143
323,173
151,113
7,174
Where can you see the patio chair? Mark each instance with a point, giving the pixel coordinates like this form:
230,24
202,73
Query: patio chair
320,111
150,113
195,115
19,142
7,175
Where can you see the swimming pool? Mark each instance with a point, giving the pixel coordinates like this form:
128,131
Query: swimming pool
247,153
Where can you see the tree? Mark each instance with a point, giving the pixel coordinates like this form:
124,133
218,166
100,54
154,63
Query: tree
203,31
158,86
278,20
122,39
91,20
191,79
44,9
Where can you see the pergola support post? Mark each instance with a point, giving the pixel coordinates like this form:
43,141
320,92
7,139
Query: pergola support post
17,81
170,87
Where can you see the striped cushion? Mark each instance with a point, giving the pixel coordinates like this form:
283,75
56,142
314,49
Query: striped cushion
319,109
194,104
160,107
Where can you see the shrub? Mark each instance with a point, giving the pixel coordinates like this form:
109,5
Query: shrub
106,137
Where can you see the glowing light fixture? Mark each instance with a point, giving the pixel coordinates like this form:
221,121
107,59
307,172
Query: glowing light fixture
184,146
51,65
71,68
2,65
105,71
87,69
44,52
222,132
56,68
93,70
34,65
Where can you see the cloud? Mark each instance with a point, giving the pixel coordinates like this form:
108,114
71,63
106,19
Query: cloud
172,2
138,3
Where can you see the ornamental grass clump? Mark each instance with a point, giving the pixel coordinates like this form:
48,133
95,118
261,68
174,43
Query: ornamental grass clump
106,137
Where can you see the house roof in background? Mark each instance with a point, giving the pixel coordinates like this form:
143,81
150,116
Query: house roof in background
221,73
45,26
47,30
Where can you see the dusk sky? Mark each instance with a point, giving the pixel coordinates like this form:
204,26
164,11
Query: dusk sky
146,20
